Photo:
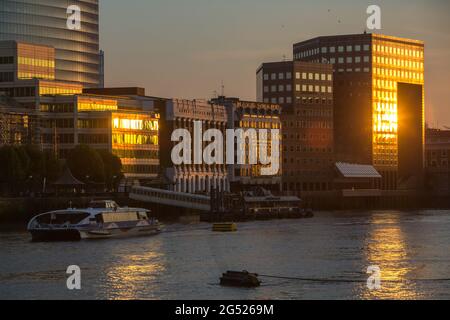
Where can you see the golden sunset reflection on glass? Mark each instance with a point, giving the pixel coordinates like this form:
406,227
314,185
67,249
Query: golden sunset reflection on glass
386,247
131,277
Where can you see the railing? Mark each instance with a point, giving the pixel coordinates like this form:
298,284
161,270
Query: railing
170,198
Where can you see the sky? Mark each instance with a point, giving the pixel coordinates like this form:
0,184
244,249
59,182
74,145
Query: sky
187,48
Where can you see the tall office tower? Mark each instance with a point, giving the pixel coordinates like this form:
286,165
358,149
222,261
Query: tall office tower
305,92
45,22
379,102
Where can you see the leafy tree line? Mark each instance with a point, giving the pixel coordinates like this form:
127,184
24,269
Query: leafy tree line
24,168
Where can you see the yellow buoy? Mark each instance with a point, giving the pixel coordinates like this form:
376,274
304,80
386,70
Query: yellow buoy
224,227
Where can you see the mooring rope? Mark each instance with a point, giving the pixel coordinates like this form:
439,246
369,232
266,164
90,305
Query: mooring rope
348,280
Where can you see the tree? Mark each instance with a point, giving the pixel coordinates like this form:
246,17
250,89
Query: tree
112,168
12,172
52,166
86,164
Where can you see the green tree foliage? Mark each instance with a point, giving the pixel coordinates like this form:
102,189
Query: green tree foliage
12,169
86,164
112,168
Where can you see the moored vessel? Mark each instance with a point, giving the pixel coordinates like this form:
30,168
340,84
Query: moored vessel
101,220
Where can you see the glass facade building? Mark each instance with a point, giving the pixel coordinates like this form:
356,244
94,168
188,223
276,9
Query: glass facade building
379,101
45,22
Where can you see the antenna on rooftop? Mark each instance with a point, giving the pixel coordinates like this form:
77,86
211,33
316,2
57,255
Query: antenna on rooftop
222,92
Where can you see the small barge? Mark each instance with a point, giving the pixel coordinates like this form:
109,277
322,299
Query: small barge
242,279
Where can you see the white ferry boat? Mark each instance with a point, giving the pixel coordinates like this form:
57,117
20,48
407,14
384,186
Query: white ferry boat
102,220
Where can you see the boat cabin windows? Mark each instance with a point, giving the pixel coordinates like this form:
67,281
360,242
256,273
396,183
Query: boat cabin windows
104,205
54,218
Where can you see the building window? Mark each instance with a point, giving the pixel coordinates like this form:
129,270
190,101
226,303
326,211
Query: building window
341,48
304,76
349,49
330,77
366,58
281,76
367,47
358,59
333,60
323,77
274,76
311,76
341,60
274,89
349,60
332,49
266,76
288,75
266,89
288,88
288,99
324,50
297,75
281,100
297,87
281,88
358,48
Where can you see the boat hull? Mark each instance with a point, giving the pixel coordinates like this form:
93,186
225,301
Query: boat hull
60,235
55,235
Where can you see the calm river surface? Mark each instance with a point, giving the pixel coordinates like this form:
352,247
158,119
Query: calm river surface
186,261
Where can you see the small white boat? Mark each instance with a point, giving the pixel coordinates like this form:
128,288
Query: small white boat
102,220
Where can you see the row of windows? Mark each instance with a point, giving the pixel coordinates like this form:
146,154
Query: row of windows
58,123
298,76
61,138
332,49
93,138
6,60
36,75
141,169
310,161
57,90
57,108
399,51
48,63
134,139
418,76
298,88
342,70
309,137
400,63
308,150
278,76
18,92
315,113
6,76
136,154
305,124
342,60
303,100
93,123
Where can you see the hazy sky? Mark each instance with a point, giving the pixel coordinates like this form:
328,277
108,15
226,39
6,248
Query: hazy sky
185,48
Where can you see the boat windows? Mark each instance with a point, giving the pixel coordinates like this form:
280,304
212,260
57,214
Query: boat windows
62,218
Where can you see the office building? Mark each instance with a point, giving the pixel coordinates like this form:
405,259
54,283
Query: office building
192,178
305,92
248,115
44,22
379,102
437,160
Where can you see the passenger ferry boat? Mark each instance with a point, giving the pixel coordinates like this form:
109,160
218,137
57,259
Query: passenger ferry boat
102,220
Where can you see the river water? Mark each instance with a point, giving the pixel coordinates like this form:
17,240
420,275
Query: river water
412,249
